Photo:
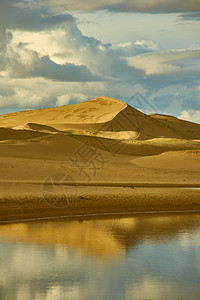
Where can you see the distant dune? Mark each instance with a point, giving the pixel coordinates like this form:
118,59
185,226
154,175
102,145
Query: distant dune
185,160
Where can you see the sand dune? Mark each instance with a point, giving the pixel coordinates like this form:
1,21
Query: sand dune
105,124
96,111
185,160
104,115
99,140
187,130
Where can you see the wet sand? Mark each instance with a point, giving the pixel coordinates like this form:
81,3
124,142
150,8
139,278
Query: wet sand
34,202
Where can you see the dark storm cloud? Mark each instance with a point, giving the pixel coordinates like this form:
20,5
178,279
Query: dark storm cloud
151,6
36,66
145,6
191,16
46,68
22,18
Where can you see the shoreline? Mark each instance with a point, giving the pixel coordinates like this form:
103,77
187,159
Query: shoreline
32,204
108,214
106,184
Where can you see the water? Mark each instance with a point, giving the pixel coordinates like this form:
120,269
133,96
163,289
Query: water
125,258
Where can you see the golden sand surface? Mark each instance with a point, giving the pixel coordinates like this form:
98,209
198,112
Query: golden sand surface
99,156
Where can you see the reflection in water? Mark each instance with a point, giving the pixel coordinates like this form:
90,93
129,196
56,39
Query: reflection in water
137,257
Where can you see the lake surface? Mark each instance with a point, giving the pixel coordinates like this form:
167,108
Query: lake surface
151,256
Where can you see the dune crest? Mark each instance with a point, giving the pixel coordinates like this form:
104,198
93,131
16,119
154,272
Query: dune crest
40,127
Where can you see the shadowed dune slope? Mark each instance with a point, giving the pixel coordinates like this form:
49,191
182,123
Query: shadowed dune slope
189,130
40,127
11,134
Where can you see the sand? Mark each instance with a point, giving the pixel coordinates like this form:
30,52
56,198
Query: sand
119,160
93,200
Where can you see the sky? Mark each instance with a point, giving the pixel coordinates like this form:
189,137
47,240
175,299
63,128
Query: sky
59,52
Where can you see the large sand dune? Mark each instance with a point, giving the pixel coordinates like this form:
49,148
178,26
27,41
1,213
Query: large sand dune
103,125
101,140
102,115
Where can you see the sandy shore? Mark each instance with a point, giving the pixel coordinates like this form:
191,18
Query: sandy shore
35,202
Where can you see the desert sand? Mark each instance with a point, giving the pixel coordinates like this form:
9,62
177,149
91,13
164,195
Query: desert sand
98,156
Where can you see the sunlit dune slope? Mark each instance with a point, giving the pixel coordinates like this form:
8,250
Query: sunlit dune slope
185,160
91,112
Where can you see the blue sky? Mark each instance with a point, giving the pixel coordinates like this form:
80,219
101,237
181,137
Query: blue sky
61,52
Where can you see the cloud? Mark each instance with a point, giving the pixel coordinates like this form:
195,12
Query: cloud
66,99
137,47
22,93
67,46
150,6
46,60
191,115
25,93
31,19
44,67
167,62
195,16
22,62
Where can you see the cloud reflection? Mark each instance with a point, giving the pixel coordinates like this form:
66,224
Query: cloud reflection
119,258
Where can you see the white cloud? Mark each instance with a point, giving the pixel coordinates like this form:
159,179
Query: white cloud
191,115
22,62
166,62
46,60
147,44
137,47
67,98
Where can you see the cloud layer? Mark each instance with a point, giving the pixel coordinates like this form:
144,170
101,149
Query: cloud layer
45,60
154,6
169,62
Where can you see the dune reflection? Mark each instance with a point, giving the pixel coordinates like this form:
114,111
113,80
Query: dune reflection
103,238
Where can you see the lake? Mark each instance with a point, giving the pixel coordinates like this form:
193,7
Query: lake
139,256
